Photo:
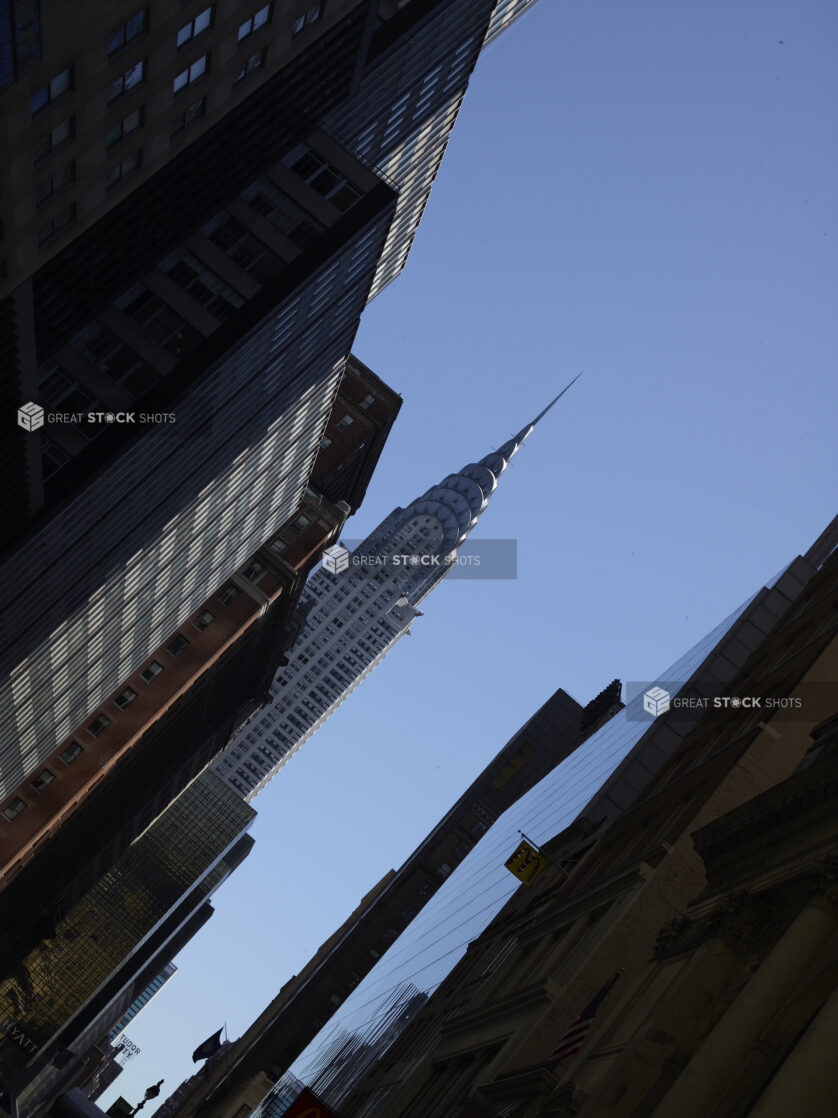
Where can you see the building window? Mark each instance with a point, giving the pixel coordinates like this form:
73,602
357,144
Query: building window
55,184
345,421
178,644
61,83
191,73
288,217
127,31
443,871
44,777
56,224
98,725
325,442
327,180
257,20
461,849
124,128
366,401
477,829
126,82
127,696
190,30
203,619
253,572
125,167
13,810
201,284
307,18
189,116
21,46
243,248
162,324
229,592
54,139
111,355
53,457
69,754
255,62
153,669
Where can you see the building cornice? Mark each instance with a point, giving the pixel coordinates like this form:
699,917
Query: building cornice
520,1002
797,803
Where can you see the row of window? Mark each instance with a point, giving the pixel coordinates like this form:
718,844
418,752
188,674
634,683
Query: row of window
111,355
46,776
122,700
149,673
322,176
138,24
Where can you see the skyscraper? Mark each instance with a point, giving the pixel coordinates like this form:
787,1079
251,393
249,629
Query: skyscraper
142,999
357,614
186,500
116,771
71,989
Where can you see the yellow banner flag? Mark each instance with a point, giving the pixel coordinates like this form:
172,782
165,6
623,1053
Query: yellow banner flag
526,863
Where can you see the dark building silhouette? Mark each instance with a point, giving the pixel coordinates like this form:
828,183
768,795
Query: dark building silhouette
308,1000
130,757
72,988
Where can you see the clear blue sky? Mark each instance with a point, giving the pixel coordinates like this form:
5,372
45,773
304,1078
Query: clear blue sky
644,191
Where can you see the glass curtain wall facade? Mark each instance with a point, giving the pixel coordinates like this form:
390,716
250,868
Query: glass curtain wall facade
111,922
406,106
505,13
142,1000
189,501
470,898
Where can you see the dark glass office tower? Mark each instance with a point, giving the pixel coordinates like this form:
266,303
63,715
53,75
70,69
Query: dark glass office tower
245,364
70,988
406,102
124,763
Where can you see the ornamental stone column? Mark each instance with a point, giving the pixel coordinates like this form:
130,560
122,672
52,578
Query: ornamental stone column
809,1077
715,1064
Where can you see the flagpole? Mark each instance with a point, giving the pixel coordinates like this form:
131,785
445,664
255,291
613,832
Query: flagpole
546,857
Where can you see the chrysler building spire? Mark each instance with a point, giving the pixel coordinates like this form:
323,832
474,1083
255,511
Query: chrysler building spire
458,501
513,444
357,612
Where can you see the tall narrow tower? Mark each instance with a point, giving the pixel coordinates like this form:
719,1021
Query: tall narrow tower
357,612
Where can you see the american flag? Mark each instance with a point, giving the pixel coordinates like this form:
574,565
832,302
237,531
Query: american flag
576,1035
